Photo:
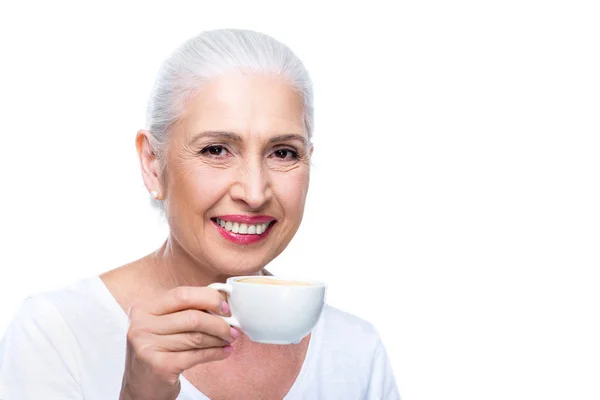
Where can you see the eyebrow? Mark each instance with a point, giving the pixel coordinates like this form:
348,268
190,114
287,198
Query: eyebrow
289,136
222,135
234,137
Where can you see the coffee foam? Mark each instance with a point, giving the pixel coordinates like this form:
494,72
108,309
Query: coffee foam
278,282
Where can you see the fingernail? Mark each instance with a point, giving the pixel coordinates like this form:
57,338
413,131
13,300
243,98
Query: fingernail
234,333
228,349
225,308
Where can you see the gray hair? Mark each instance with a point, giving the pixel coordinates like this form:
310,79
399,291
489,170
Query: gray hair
214,53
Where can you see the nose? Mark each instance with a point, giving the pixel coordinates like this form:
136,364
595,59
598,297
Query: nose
252,186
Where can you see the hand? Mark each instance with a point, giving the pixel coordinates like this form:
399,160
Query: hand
171,334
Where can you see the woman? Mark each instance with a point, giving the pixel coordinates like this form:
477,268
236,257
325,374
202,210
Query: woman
226,156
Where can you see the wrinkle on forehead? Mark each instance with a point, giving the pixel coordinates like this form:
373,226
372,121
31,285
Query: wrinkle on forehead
255,107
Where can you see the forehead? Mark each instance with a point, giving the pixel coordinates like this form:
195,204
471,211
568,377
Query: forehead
248,105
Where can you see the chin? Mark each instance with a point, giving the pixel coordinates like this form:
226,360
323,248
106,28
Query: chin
240,268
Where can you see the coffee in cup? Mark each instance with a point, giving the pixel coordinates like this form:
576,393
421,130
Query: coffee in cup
260,280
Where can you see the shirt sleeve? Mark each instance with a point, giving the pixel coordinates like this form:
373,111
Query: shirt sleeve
382,385
35,359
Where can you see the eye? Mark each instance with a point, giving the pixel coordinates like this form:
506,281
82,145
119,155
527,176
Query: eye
285,154
214,151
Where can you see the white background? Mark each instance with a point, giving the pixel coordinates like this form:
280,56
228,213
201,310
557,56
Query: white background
455,187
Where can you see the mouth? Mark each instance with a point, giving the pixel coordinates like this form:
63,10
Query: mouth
244,229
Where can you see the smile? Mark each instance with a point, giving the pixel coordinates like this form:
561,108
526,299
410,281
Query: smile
242,228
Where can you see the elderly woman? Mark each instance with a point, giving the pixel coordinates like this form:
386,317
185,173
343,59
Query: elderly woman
226,156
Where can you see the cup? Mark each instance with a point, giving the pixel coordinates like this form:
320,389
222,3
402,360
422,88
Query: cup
273,310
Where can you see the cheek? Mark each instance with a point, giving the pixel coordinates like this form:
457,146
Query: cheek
291,189
203,186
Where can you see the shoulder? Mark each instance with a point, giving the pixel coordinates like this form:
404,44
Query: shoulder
46,309
34,312
336,319
80,296
345,350
69,299
342,329
65,312
46,340
37,345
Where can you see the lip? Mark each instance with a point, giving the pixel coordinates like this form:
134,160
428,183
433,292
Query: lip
247,219
242,239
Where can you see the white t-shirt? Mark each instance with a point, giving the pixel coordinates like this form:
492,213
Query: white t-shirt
70,344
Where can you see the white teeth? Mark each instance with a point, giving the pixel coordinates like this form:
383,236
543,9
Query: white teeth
243,229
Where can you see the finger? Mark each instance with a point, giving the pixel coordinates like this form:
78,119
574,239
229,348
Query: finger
185,360
190,321
188,341
187,297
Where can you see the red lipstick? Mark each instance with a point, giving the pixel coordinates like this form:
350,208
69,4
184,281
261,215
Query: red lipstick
247,219
240,238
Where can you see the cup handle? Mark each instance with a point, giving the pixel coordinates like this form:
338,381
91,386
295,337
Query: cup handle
225,287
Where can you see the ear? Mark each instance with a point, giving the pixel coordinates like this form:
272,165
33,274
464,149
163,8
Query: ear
149,163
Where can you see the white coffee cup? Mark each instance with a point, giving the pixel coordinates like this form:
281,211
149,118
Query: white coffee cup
276,313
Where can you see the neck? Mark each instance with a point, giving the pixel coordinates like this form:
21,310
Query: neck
168,267
171,266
